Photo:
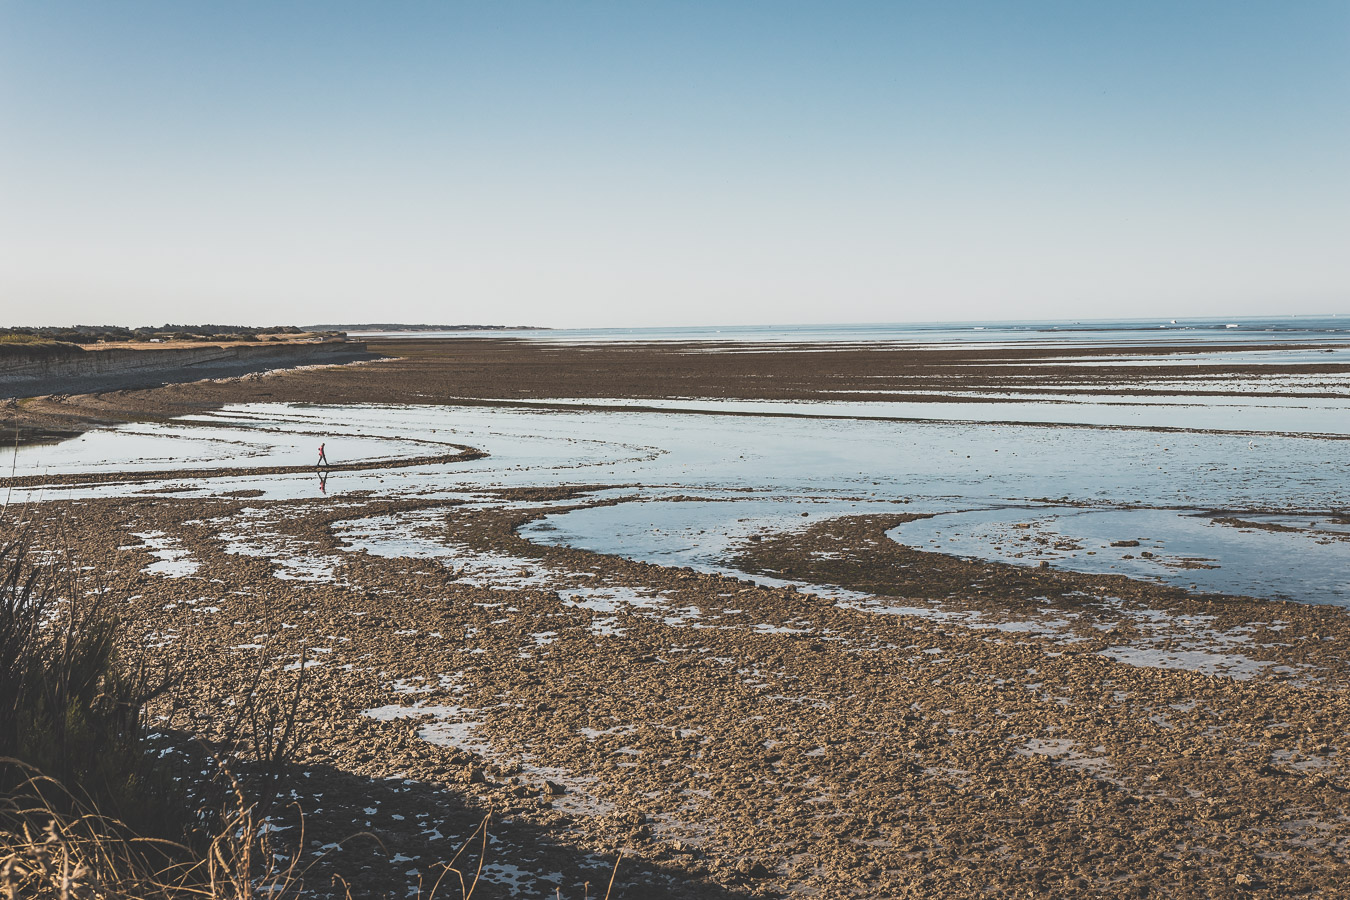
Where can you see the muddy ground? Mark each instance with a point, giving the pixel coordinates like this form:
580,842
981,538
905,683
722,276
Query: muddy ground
965,729
504,370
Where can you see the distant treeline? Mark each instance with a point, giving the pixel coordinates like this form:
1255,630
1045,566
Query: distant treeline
94,334
395,326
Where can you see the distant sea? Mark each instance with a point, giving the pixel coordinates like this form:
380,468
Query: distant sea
1251,330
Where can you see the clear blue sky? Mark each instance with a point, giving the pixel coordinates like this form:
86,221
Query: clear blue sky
644,163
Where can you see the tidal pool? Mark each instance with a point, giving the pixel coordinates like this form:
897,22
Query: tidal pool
1187,548
698,481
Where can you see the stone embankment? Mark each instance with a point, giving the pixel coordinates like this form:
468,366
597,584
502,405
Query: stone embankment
41,370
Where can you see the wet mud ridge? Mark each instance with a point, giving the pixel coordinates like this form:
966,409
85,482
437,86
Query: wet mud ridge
456,371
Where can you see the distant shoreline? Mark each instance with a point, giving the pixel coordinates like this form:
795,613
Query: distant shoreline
1103,332
417,329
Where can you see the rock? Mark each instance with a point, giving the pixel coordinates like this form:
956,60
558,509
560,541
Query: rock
753,869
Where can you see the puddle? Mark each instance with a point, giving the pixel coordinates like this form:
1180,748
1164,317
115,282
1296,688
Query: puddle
289,566
491,570
1186,548
1206,663
174,561
421,534
292,559
518,881
611,599
1064,752
1293,759
450,728
455,726
407,535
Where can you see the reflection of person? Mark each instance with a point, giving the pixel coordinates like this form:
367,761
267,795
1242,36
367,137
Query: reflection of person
323,460
323,482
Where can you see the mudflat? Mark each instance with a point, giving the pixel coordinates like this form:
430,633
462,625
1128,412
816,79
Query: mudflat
825,711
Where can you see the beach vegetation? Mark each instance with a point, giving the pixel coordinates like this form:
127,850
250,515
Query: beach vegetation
99,334
72,694
92,803
97,805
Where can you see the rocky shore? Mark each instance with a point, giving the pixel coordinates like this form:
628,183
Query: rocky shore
957,729
731,737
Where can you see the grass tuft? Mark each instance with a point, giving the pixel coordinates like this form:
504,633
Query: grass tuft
92,809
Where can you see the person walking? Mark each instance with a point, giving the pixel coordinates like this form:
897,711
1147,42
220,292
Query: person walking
323,460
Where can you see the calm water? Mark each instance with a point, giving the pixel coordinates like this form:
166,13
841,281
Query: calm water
1083,486
1188,548
1282,329
1169,487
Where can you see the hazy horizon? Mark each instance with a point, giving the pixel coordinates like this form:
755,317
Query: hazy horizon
594,165
1294,318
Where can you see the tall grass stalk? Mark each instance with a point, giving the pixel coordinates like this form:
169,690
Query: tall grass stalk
55,847
88,812
72,692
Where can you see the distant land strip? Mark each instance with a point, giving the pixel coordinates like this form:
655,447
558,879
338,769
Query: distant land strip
388,326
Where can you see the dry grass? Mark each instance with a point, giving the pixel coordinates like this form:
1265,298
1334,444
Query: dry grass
86,856
73,691
88,810
50,853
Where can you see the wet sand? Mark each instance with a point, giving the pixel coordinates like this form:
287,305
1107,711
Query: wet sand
493,370
959,728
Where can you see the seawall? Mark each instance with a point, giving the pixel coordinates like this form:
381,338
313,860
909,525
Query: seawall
32,372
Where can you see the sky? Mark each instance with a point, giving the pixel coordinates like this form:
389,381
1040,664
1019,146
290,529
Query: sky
591,164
